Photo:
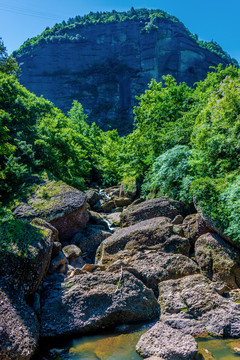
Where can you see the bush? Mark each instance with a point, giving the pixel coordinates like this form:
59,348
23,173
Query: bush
169,175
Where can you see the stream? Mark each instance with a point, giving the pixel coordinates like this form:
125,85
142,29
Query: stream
120,345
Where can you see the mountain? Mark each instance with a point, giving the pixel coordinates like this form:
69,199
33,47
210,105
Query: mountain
104,60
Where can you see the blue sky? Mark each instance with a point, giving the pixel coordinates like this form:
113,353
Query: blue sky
211,19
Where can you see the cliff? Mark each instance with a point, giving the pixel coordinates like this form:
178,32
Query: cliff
104,65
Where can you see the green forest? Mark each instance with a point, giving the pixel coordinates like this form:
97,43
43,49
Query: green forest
68,31
185,144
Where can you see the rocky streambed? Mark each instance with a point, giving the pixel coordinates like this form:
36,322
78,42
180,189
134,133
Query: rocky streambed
162,263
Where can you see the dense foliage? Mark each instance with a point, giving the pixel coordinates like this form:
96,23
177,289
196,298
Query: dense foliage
185,143
149,20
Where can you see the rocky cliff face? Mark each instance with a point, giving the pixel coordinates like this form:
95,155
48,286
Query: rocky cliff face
104,66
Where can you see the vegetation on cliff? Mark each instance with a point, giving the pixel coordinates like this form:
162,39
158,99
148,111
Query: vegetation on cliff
185,143
148,19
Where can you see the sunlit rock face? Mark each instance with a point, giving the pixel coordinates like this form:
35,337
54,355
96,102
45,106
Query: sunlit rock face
104,66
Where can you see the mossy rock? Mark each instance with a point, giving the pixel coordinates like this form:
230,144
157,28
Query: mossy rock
49,199
56,202
25,253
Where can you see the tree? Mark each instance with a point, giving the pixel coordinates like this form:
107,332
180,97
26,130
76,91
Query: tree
8,64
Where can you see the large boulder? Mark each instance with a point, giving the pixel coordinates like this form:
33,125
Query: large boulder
92,197
193,227
157,233
153,267
19,329
89,239
167,343
25,253
92,301
56,202
218,260
150,209
193,305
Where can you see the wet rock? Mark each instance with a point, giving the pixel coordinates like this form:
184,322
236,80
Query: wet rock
167,343
114,218
108,206
152,234
88,302
19,329
205,354
112,192
88,240
192,305
92,197
150,209
218,260
97,219
235,346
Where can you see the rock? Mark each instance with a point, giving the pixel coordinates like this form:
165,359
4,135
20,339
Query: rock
114,218
88,240
106,207
36,303
205,354
192,305
24,264
150,209
193,227
122,201
156,233
213,226
234,295
112,192
177,220
97,219
62,269
71,252
235,346
19,329
167,343
115,61
57,262
152,268
47,225
92,197
92,267
56,248
89,302
61,205
218,260
118,210
78,262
